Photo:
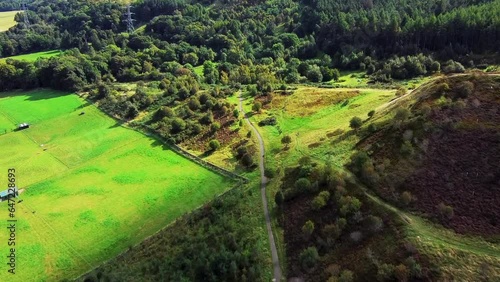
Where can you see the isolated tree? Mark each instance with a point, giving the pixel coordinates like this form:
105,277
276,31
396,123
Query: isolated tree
371,113
309,257
308,228
257,106
302,184
314,74
356,123
286,140
214,144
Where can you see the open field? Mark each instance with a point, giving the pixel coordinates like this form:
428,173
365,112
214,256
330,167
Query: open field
34,56
93,189
315,133
7,20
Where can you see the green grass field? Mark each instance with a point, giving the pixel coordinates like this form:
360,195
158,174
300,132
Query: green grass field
92,190
35,56
7,20
313,134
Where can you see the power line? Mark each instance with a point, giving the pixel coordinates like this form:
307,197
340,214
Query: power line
25,14
129,20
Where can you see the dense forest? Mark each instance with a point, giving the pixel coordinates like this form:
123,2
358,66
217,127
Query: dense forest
293,41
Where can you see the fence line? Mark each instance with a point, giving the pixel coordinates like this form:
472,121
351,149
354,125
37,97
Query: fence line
186,154
144,129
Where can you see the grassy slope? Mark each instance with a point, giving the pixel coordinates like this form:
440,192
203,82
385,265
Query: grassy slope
105,187
7,20
311,129
34,56
457,256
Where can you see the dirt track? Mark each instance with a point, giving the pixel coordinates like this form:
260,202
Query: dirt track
274,251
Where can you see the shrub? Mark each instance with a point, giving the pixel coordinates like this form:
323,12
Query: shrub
269,173
314,74
257,106
453,67
321,200
401,272
464,89
332,231
308,228
406,198
385,272
371,113
309,257
375,223
214,144
406,149
303,184
402,114
241,151
286,140
446,211
268,121
356,123
346,276
247,160
215,126
372,128
236,113
178,125
414,268
349,205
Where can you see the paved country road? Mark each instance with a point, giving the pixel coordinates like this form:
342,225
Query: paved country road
274,252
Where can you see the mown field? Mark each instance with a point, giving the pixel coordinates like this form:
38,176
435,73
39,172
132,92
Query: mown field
34,56
92,188
7,20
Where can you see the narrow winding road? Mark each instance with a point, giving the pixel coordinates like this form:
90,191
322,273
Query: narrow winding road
263,181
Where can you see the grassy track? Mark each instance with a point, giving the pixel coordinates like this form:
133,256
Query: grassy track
460,257
7,20
97,189
34,56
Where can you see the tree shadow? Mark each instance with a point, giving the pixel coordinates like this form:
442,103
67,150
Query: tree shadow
36,94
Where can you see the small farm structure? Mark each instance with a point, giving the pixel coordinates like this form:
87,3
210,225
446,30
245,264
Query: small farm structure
23,126
4,195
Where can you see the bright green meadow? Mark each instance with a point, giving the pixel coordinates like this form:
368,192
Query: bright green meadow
35,56
92,187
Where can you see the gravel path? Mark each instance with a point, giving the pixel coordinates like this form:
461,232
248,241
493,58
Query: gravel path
274,251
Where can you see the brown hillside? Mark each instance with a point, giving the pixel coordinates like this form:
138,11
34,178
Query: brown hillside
454,157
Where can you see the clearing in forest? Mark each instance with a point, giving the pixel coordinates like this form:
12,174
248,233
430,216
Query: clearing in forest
7,20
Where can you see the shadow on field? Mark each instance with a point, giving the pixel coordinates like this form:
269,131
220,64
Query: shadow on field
35,95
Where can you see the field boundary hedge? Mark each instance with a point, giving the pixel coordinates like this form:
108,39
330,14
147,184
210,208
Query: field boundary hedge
148,131
151,132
